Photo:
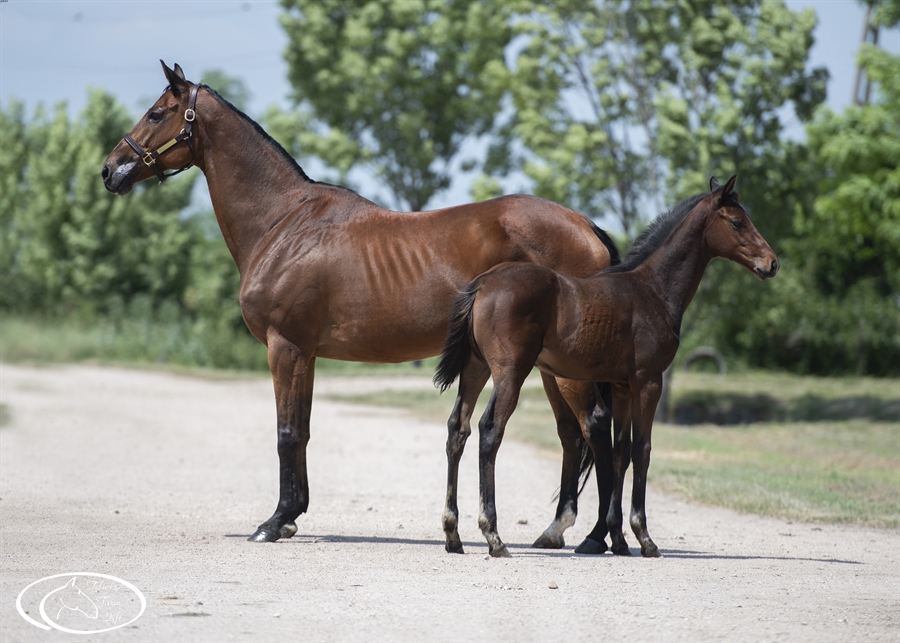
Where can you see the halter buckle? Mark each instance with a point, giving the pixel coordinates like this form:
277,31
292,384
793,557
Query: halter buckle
189,115
148,159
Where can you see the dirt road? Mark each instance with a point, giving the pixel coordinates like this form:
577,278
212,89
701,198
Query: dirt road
158,479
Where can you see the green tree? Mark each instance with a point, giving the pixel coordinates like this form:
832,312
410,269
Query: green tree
616,100
837,308
68,242
395,86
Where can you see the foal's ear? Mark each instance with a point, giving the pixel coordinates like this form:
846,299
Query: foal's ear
177,81
713,184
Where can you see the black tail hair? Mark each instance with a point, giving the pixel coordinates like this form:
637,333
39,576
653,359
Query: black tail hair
457,346
614,257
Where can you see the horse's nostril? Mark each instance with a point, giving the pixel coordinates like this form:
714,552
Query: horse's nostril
774,266
105,172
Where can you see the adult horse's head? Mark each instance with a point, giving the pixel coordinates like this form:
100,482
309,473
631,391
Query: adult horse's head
162,140
731,234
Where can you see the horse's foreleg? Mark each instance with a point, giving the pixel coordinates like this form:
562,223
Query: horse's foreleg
471,382
644,404
621,456
596,426
292,373
568,415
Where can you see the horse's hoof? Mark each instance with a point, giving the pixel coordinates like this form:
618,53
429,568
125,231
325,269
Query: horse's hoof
263,535
650,551
545,541
454,545
288,530
502,552
591,547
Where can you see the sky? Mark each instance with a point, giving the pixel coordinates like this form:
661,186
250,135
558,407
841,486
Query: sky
52,51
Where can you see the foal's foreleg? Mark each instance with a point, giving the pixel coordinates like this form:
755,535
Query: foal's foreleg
644,408
292,374
620,459
471,382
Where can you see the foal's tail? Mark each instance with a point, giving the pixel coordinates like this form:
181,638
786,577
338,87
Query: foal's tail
457,346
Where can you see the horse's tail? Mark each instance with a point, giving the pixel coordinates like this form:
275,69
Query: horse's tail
614,256
457,346
587,455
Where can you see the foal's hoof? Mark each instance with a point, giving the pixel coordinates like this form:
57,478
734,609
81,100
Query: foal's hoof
263,535
502,552
650,551
546,541
454,544
591,547
287,530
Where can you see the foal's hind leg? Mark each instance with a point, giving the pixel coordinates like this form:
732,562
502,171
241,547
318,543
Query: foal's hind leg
490,432
567,427
292,374
471,382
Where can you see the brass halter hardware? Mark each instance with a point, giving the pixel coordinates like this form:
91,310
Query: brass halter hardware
149,158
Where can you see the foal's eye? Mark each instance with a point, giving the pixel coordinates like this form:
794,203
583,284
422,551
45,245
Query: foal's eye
737,224
154,117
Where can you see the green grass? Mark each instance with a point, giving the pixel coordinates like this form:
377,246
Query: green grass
834,456
162,341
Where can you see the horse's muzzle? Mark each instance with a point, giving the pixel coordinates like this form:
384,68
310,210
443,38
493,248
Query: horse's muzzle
118,181
764,274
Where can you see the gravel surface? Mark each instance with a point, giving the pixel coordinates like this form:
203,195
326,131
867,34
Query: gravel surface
157,479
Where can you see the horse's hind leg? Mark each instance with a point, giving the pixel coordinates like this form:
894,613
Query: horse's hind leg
570,437
292,374
471,382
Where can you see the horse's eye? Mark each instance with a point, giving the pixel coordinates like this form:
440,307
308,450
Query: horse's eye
737,224
154,117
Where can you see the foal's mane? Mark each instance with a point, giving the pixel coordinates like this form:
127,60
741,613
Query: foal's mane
655,234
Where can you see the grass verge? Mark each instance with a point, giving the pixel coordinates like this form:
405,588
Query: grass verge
834,458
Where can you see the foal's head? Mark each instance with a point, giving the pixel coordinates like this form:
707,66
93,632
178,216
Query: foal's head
731,235
156,145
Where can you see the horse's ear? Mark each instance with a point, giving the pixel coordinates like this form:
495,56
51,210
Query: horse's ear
713,184
177,81
729,187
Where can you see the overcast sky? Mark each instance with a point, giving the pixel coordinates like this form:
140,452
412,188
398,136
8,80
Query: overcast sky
51,51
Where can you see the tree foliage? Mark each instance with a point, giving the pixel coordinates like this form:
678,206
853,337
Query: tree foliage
67,242
393,85
615,101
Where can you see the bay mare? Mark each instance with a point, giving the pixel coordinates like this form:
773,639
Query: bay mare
325,272
621,326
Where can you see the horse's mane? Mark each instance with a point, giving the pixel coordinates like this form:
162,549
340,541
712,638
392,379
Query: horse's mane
268,139
655,234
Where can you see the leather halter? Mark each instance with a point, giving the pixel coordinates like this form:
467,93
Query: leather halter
149,158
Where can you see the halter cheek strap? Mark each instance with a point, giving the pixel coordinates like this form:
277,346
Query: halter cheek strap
149,158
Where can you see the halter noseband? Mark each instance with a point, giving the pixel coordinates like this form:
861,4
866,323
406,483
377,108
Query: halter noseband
149,158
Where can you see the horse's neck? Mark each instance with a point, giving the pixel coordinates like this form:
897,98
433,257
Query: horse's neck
677,267
251,185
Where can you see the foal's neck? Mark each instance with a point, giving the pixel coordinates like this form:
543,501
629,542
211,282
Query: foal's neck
251,184
677,267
